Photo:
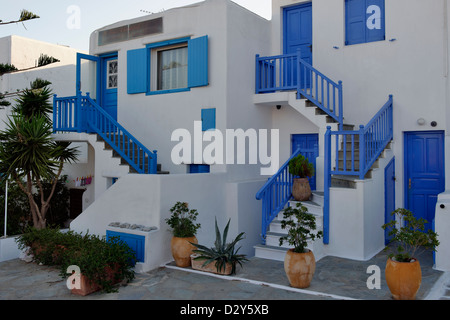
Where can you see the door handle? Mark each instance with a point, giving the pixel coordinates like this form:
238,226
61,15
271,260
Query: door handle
409,183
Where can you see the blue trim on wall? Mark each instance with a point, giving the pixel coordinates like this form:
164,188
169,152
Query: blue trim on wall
135,242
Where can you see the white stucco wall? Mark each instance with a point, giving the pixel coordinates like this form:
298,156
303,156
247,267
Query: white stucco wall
235,37
406,67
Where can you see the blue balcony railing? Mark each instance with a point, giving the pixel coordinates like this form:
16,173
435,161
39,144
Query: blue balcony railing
290,72
82,114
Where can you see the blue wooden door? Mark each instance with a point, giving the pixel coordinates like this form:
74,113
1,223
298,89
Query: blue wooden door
389,196
297,32
110,81
309,146
424,172
87,75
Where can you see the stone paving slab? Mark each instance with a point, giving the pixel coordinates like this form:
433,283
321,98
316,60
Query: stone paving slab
259,279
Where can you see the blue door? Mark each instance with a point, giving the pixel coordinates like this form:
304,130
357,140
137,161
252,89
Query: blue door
110,81
424,172
389,196
297,25
309,146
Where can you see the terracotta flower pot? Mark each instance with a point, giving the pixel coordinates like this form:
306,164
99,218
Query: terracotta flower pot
403,279
182,250
301,190
210,267
86,287
299,268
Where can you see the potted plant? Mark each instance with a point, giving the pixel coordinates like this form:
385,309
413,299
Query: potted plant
102,263
403,273
299,262
184,228
301,169
220,259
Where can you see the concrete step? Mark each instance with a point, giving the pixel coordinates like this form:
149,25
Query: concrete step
122,160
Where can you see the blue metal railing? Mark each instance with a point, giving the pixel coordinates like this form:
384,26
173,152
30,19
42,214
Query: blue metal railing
290,72
275,194
359,150
82,114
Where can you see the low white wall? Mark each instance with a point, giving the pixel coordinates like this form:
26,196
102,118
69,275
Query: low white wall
442,225
147,200
357,216
9,249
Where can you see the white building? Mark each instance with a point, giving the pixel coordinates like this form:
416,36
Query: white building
155,75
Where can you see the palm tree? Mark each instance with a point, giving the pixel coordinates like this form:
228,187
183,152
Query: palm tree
29,153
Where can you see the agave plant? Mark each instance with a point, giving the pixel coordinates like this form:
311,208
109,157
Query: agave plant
222,252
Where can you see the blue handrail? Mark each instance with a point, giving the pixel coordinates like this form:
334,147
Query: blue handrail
359,149
275,194
82,114
290,72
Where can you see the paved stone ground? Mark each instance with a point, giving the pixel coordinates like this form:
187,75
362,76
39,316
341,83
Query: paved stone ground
260,279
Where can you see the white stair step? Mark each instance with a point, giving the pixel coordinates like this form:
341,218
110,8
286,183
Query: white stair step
313,207
270,252
275,225
273,239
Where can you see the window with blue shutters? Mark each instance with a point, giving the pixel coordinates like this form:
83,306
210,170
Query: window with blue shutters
169,66
364,21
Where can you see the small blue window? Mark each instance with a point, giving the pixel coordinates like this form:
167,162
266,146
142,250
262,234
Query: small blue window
199,168
364,21
208,119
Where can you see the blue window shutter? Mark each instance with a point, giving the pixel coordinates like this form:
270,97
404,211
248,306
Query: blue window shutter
355,21
208,119
376,34
198,62
137,69
357,18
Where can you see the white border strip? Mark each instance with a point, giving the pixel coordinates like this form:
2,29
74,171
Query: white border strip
260,283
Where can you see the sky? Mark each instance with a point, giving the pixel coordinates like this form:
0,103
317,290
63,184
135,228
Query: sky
70,22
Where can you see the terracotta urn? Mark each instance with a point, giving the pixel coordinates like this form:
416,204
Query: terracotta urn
301,190
182,250
403,279
299,268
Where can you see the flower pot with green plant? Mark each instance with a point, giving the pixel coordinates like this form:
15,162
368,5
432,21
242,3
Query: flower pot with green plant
222,258
299,262
102,263
403,271
184,228
301,169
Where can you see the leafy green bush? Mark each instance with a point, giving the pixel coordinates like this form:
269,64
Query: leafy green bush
94,255
182,220
299,166
301,226
6,68
411,237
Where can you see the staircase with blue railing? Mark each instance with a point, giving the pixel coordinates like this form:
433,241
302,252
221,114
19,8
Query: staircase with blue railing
82,114
354,154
